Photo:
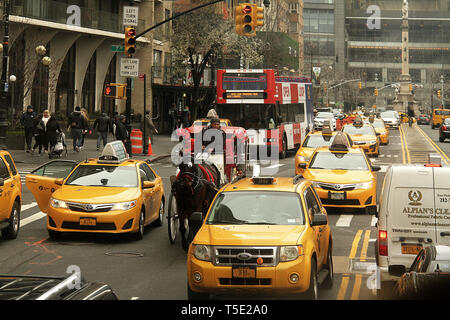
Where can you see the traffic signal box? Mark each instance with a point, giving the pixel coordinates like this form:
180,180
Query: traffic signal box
375,92
116,90
130,41
248,16
439,93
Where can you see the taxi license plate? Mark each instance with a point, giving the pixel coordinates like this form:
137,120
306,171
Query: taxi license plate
411,248
244,272
88,222
337,195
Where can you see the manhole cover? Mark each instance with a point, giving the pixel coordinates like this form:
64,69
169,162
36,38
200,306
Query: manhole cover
124,254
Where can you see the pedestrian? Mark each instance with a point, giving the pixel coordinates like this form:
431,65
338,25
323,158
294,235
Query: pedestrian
150,129
84,113
51,129
39,133
186,117
102,125
122,133
45,119
77,124
27,122
173,117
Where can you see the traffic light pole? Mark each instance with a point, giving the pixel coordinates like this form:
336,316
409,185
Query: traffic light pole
4,81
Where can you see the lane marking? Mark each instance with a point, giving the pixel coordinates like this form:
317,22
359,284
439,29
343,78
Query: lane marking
356,287
405,145
355,244
30,219
374,221
344,220
28,206
344,283
363,257
343,288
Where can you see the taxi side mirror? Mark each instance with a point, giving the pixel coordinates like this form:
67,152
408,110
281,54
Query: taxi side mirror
148,184
59,181
2,182
319,219
302,165
376,168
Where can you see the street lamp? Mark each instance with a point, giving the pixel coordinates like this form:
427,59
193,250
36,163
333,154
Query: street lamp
442,90
12,80
45,61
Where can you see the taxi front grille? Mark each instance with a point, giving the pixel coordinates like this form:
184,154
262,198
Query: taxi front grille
229,256
84,207
338,187
245,282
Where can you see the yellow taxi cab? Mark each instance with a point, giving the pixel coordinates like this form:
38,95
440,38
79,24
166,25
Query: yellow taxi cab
204,122
312,141
262,235
439,115
10,197
343,177
364,136
381,130
111,194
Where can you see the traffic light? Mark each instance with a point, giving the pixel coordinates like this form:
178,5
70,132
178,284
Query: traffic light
258,16
439,93
375,92
360,84
244,19
410,87
130,41
115,90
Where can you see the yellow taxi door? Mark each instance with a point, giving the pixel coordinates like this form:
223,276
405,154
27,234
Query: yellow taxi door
5,190
313,207
41,181
147,193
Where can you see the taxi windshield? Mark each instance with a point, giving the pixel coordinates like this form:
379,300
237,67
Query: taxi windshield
314,141
365,130
338,161
254,207
103,176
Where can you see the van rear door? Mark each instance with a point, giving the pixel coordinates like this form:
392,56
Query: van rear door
411,220
442,204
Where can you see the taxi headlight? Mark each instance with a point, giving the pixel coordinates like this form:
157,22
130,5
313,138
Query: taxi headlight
124,205
364,185
316,184
303,159
58,203
202,252
372,142
290,253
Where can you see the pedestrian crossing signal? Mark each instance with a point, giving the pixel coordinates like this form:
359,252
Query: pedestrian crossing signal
115,90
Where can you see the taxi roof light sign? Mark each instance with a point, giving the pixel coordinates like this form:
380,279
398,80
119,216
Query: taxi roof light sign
114,152
339,143
326,128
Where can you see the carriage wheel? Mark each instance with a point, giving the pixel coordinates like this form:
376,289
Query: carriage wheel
173,223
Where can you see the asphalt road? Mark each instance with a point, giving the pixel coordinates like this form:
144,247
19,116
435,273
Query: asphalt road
154,269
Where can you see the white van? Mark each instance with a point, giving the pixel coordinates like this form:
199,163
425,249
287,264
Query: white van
414,212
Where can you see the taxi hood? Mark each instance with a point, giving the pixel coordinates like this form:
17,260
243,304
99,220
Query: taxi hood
249,235
95,194
338,176
363,137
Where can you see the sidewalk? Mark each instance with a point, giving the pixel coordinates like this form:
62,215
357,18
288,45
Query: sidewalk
161,147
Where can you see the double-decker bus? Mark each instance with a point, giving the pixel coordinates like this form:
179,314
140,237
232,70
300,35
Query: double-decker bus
278,108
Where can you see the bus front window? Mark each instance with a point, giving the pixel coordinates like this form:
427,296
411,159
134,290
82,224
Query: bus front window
249,116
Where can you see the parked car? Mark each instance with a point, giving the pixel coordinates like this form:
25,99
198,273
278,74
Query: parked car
428,277
444,130
423,119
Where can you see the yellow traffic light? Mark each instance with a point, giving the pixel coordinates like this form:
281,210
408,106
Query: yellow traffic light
258,16
439,93
410,87
375,92
130,41
244,19
360,84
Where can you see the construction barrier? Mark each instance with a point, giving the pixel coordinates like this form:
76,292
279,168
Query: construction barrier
136,141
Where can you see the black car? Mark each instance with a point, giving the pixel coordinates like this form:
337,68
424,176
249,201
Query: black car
423,119
53,288
428,277
444,130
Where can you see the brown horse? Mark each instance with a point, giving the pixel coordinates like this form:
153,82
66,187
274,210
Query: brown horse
194,189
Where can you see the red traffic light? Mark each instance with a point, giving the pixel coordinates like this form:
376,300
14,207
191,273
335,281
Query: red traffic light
131,32
247,9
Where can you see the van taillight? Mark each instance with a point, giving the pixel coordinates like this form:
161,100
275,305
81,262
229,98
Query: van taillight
382,243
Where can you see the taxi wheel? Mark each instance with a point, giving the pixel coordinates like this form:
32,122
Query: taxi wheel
12,230
139,235
328,283
159,221
313,291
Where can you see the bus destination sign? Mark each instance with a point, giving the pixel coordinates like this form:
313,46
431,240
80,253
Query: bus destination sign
243,95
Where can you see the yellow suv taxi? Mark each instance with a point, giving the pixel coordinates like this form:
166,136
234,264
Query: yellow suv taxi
312,141
262,234
111,194
343,177
438,117
10,196
381,130
204,122
363,136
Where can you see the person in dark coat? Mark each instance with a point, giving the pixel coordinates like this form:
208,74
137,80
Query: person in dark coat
27,122
102,125
214,132
122,133
52,129
78,125
39,133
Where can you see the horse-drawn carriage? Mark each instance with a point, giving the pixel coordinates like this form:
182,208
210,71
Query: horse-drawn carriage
200,176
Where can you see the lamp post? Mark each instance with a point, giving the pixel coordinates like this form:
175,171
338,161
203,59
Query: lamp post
12,80
45,61
3,82
442,90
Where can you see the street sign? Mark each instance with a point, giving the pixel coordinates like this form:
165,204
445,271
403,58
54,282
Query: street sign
130,16
116,48
129,67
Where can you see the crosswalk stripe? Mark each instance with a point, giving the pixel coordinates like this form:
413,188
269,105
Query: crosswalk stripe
30,219
344,220
28,206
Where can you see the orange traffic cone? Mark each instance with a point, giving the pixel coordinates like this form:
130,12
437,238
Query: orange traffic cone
149,149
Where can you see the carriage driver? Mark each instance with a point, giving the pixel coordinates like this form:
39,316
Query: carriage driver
210,135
